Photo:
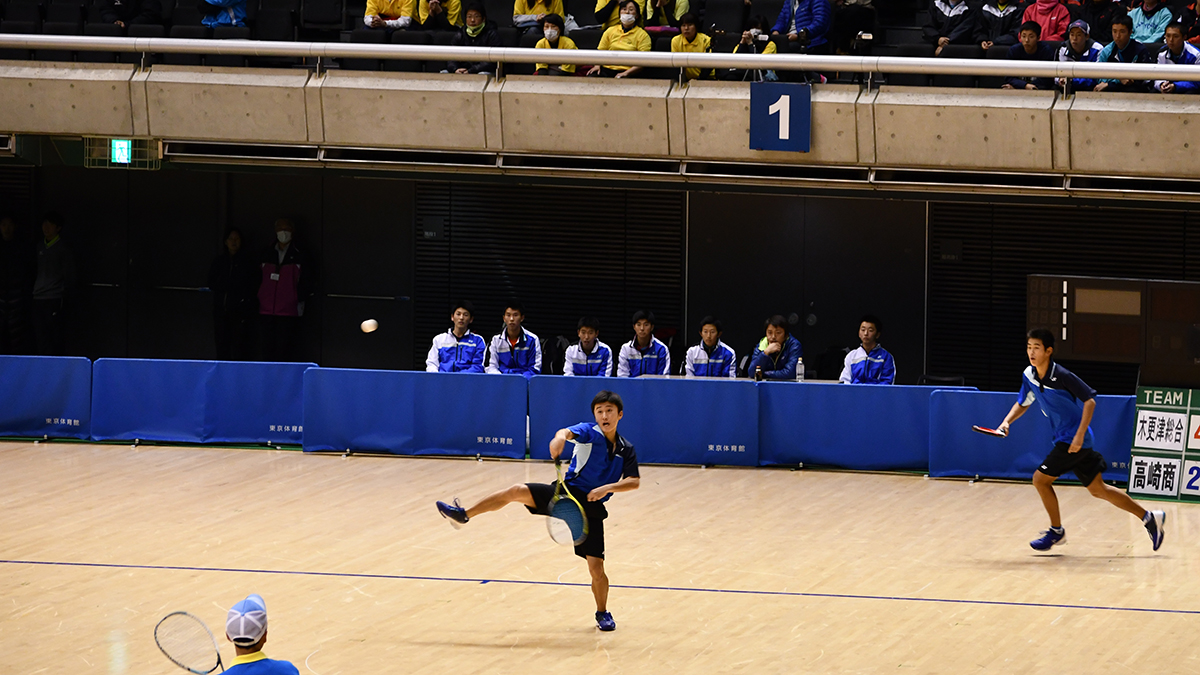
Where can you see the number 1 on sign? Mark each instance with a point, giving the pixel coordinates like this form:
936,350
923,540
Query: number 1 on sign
784,107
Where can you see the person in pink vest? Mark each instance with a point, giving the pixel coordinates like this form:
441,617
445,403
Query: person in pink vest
287,280
1052,16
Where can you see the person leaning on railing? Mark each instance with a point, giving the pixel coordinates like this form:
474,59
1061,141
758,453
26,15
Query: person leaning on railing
1031,48
478,31
1079,47
627,37
553,38
1123,49
691,40
1177,52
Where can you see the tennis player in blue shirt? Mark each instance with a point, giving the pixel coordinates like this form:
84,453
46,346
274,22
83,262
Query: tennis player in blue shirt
1068,403
602,463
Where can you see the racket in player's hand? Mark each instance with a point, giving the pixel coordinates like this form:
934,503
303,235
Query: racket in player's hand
999,433
565,519
188,643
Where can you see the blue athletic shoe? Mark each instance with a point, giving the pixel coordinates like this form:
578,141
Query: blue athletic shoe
455,513
1048,539
1156,527
605,621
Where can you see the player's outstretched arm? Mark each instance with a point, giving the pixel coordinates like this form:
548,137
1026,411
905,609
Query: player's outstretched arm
624,485
559,441
1012,416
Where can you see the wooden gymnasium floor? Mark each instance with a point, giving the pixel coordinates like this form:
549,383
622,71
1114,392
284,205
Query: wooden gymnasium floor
714,571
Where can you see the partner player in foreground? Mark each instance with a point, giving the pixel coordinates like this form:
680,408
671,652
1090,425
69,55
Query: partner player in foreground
1068,403
602,463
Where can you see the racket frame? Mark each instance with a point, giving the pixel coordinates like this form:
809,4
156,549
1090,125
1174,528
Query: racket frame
561,492
203,625
988,432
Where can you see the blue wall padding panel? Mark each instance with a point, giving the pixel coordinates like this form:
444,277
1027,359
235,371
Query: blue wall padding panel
669,421
955,450
414,413
45,396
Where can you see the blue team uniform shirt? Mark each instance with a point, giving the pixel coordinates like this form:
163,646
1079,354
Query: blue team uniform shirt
258,664
1061,396
595,462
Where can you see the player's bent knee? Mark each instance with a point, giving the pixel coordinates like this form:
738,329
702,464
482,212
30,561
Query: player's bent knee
1040,478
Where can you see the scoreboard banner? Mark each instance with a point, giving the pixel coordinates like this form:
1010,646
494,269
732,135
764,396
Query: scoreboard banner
1166,444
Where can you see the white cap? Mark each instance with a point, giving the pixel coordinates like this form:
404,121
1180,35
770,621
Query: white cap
247,621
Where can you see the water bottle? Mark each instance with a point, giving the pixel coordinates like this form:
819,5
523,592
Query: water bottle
758,376
800,369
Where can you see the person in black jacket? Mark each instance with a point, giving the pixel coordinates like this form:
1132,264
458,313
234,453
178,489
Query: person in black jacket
950,23
997,23
1030,49
233,279
1099,15
126,12
18,268
477,31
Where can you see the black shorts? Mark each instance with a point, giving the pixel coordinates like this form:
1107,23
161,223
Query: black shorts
596,513
1086,464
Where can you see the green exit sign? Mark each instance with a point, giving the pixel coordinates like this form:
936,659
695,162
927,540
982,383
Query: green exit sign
122,151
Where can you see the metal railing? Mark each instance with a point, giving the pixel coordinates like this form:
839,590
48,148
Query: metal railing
854,64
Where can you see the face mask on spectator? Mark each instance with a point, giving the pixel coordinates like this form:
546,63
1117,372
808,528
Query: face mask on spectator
283,236
627,19
552,35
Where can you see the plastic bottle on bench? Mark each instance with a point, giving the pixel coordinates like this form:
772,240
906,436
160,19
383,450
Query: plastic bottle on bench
800,369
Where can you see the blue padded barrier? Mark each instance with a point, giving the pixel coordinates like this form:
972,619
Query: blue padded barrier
197,401
855,426
45,396
955,450
669,421
414,413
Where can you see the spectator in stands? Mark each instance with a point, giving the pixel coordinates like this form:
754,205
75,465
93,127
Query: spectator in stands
691,40
663,17
458,350
287,278
710,358
127,12
608,12
232,278
805,23
515,350
553,38
389,14
478,31
1123,49
644,354
777,353
1052,16
628,37
850,17
870,363
1079,47
589,356
1181,53
1098,15
439,14
950,23
997,23
533,13
246,628
755,40
1030,49
54,283
1150,19
223,13
18,270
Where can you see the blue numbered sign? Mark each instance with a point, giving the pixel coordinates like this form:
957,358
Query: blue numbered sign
780,116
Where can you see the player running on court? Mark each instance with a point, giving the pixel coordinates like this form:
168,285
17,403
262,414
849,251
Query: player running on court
602,463
1068,403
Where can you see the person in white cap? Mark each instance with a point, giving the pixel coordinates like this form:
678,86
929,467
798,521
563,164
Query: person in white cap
246,628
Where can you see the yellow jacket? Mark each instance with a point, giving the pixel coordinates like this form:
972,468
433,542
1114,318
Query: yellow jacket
614,19
618,40
531,8
452,8
564,42
701,45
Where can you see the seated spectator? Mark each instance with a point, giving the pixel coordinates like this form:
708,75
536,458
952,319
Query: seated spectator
515,350
439,14
870,363
950,23
997,23
806,25
1052,16
777,353
1123,49
1180,53
478,31
246,628
690,39
1150,19
644,354
1030,49
458,350
755,40
389,14
53,285
710,358
1098,15
590,356
608,12
533,13
628,37
850,17
552,30
127,12
1079,47
223,13
664,16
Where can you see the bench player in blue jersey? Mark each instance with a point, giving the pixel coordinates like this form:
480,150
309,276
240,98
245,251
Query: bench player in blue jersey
1068,403
602,463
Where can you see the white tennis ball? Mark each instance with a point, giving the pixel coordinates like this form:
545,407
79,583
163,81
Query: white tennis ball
369,326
